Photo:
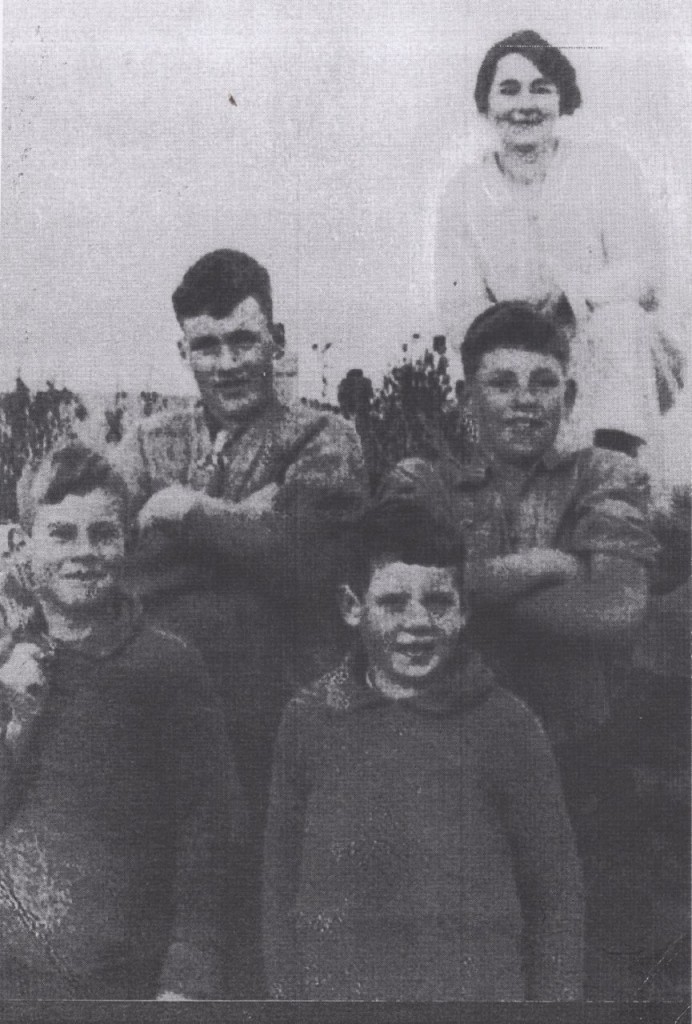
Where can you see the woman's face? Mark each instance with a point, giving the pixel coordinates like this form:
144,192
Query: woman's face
522,104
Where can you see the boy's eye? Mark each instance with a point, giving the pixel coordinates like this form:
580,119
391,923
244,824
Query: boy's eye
440,602
204,346
63,533
542,88
545,381
242,340
392,602
502,383
509,88
104,532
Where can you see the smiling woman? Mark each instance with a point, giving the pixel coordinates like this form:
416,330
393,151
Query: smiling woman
567,228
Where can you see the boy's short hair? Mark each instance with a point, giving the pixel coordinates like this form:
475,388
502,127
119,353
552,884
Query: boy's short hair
547,59
404,531
514,325
71,469
220,281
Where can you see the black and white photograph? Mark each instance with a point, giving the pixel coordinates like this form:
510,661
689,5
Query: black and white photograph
345,511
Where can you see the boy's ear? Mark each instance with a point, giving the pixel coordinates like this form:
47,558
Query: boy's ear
464,395
465,611
278,333
16,540
570,395
350,606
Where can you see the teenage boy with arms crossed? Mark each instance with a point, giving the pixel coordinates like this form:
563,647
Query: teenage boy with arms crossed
240,505
559,546
417,846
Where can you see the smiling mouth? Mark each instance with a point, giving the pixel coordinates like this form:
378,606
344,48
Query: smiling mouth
525,122
421,649
84,576
239,384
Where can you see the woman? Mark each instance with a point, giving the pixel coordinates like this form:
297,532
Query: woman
565,226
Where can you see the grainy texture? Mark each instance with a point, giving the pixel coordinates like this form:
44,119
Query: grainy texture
410,843
114,865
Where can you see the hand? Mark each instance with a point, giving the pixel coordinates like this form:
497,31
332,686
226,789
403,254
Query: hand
547,564
24,686
261,501
170,505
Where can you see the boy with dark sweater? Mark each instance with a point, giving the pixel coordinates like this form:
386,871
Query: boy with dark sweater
119,805
417,845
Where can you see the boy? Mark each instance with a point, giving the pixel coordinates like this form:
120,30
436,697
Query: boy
559,556
558,542
417,845
239,501
117,792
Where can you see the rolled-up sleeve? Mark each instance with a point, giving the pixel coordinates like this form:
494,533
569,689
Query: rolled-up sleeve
610,512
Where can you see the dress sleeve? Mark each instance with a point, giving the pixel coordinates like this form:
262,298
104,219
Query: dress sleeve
282,856
210,827
610,513
549,881
629,234
460,287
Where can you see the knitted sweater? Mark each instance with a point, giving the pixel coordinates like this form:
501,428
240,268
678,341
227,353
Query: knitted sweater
418,849
112,866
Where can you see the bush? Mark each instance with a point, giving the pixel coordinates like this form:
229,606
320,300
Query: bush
414,412
30,424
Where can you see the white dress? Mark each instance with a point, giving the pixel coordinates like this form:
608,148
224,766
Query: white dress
587,231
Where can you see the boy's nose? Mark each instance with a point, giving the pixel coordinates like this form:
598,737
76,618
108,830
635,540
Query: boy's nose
228,357
523,396
417,617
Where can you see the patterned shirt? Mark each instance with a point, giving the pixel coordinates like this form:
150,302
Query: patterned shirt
314,459
583,503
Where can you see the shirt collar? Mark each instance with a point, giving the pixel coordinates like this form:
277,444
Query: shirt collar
478,469
106,641
223,438
461,689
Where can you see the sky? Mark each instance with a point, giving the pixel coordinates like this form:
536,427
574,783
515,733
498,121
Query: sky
124,160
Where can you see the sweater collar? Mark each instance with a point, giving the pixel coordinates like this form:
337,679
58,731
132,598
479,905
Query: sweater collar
110,637
457,691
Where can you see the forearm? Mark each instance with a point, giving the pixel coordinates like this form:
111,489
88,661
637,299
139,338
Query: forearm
509,577
231,530
596,609
286,549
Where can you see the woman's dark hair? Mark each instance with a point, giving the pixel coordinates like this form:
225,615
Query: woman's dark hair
550,61
220,281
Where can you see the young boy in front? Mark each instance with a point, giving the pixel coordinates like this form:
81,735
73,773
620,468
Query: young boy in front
117,791
417,845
